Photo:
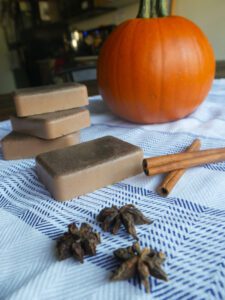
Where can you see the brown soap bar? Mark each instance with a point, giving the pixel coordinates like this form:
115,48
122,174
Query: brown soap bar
52,125
34,101
19,145
83,168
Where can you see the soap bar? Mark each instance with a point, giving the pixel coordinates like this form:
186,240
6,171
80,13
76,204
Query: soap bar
19,145
34,101
52,125
83,168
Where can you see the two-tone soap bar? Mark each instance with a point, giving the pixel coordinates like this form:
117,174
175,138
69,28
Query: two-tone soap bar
83,168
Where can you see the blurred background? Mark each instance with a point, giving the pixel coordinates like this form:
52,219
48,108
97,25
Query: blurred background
51,41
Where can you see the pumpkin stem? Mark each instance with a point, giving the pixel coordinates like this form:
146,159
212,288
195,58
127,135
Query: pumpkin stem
152,9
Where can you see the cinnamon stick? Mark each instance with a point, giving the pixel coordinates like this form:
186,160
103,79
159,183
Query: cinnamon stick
188,160
170,158
173,177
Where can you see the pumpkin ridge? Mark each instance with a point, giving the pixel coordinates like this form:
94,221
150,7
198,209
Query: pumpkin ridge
171,101
120,100
123,75
197,47
182,98
161,99
135,97
201,49
105,79
147,106
180,48
205,48
198,61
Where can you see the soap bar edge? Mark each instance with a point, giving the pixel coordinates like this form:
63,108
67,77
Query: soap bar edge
70,140
48,129
52,180
20,99
41,158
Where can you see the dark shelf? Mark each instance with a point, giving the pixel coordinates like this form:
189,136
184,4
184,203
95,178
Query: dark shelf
95,12
15,45
220,69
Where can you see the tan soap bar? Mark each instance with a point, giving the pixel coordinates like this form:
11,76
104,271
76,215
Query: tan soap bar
44,99
83,168
52,125
19,145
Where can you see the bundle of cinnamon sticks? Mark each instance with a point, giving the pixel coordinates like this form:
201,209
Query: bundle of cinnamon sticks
176,164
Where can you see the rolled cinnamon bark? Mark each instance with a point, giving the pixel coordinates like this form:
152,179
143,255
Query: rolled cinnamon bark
171,158
173,177
188,160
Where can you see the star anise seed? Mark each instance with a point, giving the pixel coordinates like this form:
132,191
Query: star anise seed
143,263
128,215
78,242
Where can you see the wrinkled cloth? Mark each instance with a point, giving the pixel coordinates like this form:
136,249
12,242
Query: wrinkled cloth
189,225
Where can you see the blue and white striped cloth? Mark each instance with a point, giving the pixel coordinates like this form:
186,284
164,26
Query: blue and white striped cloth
189,225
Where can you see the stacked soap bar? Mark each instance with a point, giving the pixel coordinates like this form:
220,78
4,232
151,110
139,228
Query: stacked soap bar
47,118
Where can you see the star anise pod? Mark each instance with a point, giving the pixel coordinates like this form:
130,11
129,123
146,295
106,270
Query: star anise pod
143,263
77,242
112,218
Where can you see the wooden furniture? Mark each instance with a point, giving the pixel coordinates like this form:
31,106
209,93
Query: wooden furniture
220,69
6,106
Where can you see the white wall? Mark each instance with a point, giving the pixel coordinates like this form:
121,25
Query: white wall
7,83
209,15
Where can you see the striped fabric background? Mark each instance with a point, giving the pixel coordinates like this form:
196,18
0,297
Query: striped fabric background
189,225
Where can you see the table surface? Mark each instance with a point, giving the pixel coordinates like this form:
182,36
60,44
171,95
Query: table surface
188,225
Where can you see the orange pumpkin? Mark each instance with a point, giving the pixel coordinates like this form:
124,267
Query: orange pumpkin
155,68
